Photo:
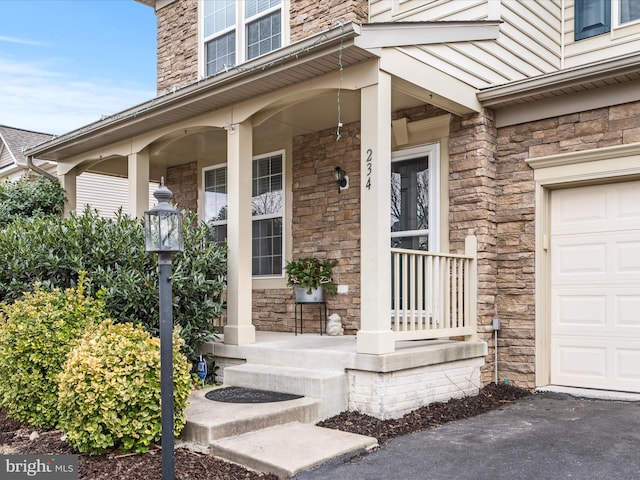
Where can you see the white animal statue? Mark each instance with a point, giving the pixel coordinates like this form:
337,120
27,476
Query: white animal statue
334,326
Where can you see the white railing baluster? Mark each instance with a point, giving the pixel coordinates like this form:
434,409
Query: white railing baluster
434,294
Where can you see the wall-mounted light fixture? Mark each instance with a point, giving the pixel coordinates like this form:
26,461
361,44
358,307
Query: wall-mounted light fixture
341,178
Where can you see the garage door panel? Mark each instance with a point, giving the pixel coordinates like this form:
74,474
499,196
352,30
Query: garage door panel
607,307
595,287
627,309
579,258
578,362
573,309
575,359
574,213
627,256
627,365
627,203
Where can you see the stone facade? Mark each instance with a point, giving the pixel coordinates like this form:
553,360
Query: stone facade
515,300
182,180
472,207
177,45
325,224
309,17
178,33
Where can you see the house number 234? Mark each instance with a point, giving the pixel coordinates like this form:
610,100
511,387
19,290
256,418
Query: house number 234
369,168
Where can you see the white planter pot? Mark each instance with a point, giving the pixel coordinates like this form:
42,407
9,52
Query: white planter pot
302,296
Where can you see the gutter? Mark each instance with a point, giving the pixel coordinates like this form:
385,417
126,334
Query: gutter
190,92
39,170
579,75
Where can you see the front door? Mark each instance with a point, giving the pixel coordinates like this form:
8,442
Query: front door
414,213
414,198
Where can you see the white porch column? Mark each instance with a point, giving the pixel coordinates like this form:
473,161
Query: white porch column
239,329
375,335
138,173
68,182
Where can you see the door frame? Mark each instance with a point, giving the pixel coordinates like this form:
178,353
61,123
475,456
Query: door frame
432,151
565,170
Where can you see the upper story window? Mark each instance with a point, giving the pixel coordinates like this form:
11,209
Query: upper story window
235,31
626,11
594,17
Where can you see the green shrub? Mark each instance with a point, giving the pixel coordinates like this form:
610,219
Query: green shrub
53,250
35,335
28,197
110,389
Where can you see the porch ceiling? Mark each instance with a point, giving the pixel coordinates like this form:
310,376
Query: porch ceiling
302,61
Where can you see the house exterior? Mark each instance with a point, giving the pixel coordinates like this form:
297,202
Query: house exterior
13,163
106,194
492,149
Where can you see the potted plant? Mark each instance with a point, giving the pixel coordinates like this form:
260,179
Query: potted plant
310,277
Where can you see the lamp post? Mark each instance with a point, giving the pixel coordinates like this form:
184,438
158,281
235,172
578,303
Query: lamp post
163,235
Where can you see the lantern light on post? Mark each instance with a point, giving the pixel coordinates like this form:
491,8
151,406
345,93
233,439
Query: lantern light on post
163,235
163,224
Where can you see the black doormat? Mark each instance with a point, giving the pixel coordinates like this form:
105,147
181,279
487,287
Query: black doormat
248,395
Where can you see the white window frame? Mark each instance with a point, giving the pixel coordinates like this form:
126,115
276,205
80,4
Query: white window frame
281,215
615,16
432,151
240,29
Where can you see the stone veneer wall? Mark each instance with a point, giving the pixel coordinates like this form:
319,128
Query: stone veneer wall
309,17
598,128
178,33
472,209
182,180
177,45
325,224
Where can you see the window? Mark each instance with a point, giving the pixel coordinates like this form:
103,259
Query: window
267,206
414,198
594,17
236,31
626,11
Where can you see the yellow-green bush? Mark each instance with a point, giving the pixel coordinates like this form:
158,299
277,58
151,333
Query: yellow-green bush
36,333
110,389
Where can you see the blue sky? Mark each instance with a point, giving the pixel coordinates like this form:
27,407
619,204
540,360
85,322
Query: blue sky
65,63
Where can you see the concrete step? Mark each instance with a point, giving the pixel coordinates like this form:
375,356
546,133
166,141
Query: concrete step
285,450
328,386
312,351
208,420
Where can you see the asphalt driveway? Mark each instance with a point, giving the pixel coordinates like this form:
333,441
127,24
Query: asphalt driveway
544,436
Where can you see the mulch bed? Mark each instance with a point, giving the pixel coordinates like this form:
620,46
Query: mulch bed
18,438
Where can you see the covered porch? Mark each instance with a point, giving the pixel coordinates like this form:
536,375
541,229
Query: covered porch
350,98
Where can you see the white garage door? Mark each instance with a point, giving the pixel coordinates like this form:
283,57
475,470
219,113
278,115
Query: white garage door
595,287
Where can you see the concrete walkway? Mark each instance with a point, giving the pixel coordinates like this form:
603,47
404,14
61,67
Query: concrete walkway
546,436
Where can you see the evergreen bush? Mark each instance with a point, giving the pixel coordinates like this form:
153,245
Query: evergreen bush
53,250
28,197
36,333
110,389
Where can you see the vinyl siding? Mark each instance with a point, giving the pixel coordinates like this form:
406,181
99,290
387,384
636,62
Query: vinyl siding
529,42
105,194
620,41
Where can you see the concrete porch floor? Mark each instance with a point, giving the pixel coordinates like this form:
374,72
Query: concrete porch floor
327,352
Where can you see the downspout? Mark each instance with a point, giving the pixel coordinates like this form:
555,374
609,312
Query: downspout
39,170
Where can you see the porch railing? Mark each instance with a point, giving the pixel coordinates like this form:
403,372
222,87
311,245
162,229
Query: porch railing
434,295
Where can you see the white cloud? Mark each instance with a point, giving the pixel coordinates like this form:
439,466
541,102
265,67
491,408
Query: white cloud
21,41
37,97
